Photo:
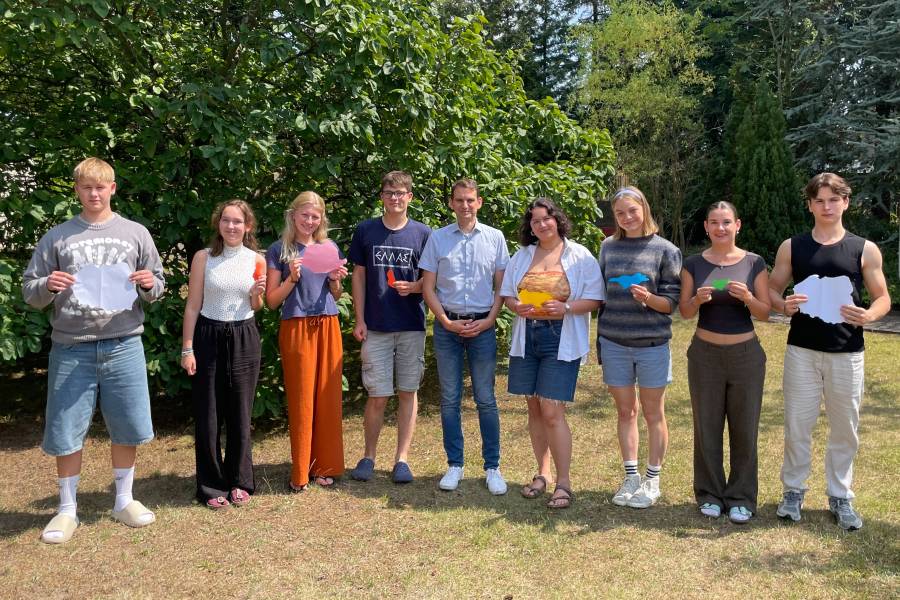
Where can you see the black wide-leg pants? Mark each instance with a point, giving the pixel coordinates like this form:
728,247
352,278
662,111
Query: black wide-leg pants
228,360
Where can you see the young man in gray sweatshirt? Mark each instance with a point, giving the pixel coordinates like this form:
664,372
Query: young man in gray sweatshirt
97,349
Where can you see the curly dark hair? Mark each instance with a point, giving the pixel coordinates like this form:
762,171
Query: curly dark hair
563,225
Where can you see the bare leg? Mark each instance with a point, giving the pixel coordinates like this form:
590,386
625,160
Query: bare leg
373,419
68,465
653,404
406,423
626,426
123,456
559,436
539,442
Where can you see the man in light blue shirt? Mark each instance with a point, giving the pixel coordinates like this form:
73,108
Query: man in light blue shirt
462,268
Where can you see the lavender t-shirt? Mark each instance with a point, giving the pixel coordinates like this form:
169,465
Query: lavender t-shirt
311,296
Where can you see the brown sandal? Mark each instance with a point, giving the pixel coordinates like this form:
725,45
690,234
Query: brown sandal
531,491
563,501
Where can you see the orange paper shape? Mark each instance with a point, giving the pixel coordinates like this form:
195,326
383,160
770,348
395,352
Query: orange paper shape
260,268
390,277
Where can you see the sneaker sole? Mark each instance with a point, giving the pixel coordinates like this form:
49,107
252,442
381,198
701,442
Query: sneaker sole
851,528
621,502
447,488
785,516
635,505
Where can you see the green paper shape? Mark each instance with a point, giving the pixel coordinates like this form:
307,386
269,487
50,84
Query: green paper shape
720,284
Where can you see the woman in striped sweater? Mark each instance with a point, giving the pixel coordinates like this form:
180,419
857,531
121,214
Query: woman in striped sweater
641,271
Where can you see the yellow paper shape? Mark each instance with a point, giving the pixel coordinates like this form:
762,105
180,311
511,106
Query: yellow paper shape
536,299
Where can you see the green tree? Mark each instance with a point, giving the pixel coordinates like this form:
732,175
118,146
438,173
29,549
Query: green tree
641,81
197,102
847,115
537,34
766,190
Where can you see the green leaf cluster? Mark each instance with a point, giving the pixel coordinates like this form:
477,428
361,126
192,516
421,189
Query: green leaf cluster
197,102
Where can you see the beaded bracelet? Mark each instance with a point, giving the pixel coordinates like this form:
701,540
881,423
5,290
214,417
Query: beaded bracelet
187,351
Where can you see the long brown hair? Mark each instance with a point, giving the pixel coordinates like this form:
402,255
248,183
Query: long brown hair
217,244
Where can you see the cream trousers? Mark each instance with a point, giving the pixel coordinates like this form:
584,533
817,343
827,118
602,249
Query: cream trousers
810,376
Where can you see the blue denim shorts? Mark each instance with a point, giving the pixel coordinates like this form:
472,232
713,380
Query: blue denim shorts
539,372
113,370
649,367
386,354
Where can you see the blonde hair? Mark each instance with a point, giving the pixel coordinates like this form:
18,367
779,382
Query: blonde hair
217,244
94,169
288,235
649,226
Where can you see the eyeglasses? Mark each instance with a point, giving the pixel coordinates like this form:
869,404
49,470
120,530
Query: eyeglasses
539,222
391,194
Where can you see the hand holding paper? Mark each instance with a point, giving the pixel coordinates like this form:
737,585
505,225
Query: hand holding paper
108,287
322,258
629,280
536,299
825,296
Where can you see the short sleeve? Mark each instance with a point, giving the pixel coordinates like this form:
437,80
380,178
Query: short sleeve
429,259
273,256
357,254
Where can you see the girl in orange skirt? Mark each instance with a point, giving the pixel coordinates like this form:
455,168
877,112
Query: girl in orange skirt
309,340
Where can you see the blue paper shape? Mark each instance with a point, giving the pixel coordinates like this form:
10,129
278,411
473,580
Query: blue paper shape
628,280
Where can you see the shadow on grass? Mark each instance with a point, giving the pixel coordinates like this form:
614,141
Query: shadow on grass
873,549
154,491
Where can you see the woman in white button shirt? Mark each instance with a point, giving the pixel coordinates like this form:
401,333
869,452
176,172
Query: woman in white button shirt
552,284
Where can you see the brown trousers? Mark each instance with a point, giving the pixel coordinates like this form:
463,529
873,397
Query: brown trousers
312,360
726,383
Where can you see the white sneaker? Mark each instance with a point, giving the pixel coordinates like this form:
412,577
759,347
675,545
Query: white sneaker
495,483
450,480
647,494
629,486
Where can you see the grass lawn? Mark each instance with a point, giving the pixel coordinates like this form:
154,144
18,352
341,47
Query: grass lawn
379,540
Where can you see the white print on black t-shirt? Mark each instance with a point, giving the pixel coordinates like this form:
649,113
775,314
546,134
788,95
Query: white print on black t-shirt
392,256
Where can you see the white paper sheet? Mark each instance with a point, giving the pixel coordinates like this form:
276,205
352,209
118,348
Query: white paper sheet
106,287
826,296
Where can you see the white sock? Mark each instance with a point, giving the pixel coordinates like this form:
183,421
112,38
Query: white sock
653,471
68,489
124,481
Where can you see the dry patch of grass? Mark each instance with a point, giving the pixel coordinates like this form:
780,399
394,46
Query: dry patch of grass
379,540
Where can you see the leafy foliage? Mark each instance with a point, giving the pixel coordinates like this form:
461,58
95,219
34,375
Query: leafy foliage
197,102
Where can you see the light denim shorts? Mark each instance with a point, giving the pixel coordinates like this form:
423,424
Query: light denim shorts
386,353
112,370
649,367
539,372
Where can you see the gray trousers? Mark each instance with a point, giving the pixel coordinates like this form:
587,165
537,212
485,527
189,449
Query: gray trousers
726,383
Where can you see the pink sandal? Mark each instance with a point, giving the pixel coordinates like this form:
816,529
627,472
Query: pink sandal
217,503
239,497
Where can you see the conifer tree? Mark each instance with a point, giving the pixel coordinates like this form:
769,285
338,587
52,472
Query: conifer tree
766,189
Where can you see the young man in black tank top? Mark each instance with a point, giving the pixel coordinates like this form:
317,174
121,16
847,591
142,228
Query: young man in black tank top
825,359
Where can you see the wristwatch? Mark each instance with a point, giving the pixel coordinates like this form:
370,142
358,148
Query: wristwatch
568,308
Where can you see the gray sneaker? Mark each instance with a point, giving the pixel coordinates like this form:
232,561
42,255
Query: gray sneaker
843,512
790,506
